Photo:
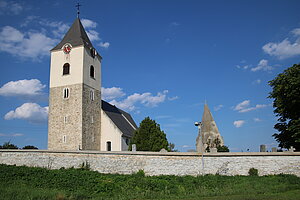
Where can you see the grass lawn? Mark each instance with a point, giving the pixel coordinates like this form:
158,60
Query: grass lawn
39,183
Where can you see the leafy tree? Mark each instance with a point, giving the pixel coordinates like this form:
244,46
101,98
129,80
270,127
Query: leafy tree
149,137
172,147
8,145
29,147
286,95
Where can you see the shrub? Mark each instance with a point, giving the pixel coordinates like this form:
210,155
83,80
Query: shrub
29,147
253,172
8,145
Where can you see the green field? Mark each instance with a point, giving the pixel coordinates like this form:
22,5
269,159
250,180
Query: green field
39,183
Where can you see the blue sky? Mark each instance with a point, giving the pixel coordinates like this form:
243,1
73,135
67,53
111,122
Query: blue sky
161,59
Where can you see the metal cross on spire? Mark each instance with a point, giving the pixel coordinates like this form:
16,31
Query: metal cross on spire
78,11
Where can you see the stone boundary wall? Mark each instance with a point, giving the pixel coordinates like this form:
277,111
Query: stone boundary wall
156,163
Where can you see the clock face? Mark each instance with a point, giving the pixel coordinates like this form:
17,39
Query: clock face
67,48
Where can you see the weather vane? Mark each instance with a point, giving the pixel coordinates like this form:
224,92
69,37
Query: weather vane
78,11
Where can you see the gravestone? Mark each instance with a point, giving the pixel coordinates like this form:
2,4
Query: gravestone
263,148
213,150
133,147
292,149
163,151
274,149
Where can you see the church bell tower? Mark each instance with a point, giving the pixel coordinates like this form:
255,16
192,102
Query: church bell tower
75,93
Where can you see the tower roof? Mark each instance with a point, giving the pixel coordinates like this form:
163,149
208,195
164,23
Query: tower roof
207,117
76,36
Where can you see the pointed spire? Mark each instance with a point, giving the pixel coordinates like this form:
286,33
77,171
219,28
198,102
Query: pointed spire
76,36
207,116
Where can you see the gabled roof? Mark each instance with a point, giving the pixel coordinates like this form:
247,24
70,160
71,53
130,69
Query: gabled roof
120,118
76,36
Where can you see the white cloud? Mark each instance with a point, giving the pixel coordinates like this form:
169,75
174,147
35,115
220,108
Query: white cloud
104,44
218,107
87,23
262,65
32,45
10,7
173,98
11,135
256,119
186,146
296,31
242,67
31,112
93,35
244,106
238,123
174,24
112,93
257,81
285,48
24,87
146,99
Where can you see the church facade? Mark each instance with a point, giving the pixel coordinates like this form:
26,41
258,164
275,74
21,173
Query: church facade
78,118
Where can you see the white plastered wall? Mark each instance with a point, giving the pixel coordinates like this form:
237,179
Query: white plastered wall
110,132
80,63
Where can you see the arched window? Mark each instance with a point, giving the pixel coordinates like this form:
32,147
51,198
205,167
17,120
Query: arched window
66,93
92,71
66,69
108,146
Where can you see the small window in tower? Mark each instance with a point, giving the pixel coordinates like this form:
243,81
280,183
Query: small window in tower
66,93
92,119
92,95
65,119
93,137
66,69
92,71
108,146
64,139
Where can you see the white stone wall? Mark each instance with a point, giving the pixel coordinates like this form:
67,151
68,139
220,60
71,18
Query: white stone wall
110,132
155,163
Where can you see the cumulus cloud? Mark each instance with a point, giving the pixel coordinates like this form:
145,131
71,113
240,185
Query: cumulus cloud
146,99
238,123
32,45
218,107
32,87
112,93
88,23
10,8
287,48
104,44
262,65
35,43
244,106
31,112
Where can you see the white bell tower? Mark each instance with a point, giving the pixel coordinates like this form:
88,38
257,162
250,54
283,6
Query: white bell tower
75,93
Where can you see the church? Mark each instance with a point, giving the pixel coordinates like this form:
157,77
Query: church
78,118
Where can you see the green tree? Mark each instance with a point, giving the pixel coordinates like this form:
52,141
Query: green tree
149,137
29,147
286,95
8,145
